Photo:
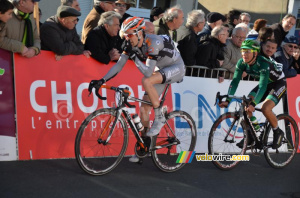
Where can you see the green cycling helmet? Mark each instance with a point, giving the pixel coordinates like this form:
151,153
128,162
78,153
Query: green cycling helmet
251,44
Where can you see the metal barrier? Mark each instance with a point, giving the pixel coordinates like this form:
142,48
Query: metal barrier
205,72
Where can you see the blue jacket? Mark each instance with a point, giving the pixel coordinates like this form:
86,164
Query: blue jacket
288,70
206,31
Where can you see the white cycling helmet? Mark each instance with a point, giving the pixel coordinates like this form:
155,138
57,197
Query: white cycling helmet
132,23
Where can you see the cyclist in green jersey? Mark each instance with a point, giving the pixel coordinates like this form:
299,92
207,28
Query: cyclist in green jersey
271,87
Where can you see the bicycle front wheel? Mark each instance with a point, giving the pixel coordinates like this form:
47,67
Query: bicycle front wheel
282,156
225,133
178,134
97,150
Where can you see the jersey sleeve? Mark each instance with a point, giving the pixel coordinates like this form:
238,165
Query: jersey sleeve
240,68
154,45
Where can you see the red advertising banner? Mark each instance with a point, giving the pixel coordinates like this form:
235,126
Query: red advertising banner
293,94
52,101
7,108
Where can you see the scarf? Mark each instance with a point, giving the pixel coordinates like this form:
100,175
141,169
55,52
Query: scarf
28,31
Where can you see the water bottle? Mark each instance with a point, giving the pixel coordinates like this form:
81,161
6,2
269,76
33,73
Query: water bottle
255,123
137,122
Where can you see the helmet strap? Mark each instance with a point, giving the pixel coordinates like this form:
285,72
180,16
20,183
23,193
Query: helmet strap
139,37
252,58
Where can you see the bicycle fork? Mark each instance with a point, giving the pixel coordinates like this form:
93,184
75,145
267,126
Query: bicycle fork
226,139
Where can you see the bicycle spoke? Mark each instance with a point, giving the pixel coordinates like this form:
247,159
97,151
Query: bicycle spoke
94,155
223,139
184,139
282,156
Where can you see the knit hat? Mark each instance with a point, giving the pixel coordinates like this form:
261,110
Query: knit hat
66,11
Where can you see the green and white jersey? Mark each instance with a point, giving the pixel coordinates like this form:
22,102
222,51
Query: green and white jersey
265,70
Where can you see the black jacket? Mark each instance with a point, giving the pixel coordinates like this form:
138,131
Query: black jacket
125,16
279,33
161,27
99,42
209,52
60,40
187,45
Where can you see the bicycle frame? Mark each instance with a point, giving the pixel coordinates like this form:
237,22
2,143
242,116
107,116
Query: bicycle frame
121,109
241,113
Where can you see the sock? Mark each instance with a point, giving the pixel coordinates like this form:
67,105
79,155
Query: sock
275,129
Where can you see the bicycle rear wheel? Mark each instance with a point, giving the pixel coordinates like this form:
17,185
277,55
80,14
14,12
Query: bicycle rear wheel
285,153
224,148
178,134
93,154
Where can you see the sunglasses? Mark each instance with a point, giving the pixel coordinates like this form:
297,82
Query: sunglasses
130,35
293,46
121,5
247,51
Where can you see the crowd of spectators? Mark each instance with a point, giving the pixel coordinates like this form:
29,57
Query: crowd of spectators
209,39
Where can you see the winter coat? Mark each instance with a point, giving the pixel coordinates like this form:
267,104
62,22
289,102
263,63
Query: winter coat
232,54
12,34
209,52
206,32
99,42
91,21
160,27
187,45
59,39
279,33
287,63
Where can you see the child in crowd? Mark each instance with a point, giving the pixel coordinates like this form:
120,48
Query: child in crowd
6,10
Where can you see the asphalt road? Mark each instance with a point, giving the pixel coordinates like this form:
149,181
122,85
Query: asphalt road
64,178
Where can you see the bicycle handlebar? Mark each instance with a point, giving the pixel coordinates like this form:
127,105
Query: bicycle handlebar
221,97
124,91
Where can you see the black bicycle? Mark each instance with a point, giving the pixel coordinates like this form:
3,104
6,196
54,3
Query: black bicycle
230,128
102,138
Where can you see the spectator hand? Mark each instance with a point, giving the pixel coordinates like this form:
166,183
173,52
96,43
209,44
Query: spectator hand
87,53
114,54
221,62
96,84
29,53
221,79
58,57
25,50
244,74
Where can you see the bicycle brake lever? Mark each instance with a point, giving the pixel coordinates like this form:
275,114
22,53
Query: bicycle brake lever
217,97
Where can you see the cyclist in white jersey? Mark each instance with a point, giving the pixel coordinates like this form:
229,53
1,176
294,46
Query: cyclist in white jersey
158,51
